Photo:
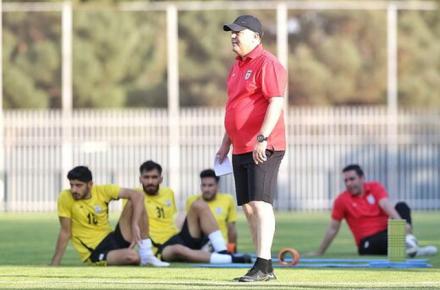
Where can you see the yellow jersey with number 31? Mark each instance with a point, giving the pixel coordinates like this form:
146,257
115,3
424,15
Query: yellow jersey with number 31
161,210
90,224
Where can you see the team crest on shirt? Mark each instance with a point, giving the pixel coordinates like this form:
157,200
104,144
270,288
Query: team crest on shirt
168,203
371,199
98,209
218,210
248,74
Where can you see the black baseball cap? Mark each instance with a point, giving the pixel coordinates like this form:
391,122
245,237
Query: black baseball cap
245,21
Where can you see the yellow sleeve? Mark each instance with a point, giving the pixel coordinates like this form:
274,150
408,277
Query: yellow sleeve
64,205
110,191
232,211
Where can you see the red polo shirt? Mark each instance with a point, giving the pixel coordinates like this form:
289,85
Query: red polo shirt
252,81
363,214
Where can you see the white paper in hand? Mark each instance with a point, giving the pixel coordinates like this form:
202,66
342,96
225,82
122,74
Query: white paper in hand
223,168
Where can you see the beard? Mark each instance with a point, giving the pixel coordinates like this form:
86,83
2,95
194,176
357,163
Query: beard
151,189
206,197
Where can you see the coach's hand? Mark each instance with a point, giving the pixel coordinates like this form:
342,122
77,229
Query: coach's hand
222,153
259,153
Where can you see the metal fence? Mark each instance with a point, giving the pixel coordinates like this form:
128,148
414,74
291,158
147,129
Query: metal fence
402,152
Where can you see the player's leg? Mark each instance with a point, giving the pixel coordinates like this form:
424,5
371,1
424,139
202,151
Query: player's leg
412,247
405,212
179,248
145,245
125,222
113,250
185,254
201,222
123,257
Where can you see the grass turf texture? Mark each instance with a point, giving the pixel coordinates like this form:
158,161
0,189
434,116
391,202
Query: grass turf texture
27,242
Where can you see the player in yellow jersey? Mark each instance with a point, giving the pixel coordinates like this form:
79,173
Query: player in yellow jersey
198,228
222,206
83,215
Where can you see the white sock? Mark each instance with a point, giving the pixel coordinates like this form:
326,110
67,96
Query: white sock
217,241
145,247
217,258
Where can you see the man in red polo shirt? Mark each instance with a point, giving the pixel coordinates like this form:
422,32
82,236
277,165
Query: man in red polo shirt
255,128
366,208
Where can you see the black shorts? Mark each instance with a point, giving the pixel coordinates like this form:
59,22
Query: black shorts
377,244
256,182
113,241
184,238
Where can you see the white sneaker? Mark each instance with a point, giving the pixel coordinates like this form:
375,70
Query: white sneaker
154,261
426,251
411,245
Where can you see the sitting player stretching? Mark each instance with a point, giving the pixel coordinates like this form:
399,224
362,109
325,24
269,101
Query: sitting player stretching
366,208
83,215
198,228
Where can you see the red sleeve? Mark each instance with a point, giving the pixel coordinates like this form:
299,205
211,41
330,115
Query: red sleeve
379,191
273,79
338,212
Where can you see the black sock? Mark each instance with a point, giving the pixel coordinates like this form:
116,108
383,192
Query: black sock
263,265
269,267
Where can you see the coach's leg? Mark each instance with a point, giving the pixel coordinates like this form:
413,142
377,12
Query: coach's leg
251,217
201,221
265,228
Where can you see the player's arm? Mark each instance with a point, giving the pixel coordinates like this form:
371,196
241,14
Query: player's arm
63,240
232,237
392,213
137,200
330,234
271,118
224,148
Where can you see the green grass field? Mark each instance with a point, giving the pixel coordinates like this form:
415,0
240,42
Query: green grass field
27,242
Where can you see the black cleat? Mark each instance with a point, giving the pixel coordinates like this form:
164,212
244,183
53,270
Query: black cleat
272,276
255,275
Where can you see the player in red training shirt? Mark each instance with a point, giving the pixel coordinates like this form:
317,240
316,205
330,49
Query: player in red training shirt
366,208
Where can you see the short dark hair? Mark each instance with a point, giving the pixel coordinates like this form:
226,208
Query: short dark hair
150,165
81,173
354,167
209,173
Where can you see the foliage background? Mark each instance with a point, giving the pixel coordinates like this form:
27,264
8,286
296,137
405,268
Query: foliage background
119,58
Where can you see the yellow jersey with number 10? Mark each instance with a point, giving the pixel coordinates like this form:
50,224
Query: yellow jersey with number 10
89,217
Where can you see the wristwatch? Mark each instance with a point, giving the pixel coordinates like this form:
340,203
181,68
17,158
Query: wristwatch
261,138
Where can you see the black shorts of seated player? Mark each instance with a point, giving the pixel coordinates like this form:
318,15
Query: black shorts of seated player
184,238
377,244
256,182
113,241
